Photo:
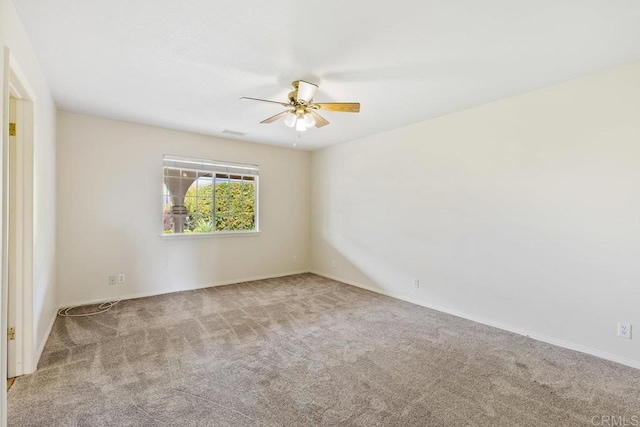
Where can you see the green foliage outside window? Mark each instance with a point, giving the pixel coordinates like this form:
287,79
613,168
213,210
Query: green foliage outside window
234,207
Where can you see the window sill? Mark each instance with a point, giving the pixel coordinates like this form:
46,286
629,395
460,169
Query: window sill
183,236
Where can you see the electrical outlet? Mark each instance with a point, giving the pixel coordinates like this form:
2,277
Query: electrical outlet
416,283
112,280
294,259
624,330
121,278
333,263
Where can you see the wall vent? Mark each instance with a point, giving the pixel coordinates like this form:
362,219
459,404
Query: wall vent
233,132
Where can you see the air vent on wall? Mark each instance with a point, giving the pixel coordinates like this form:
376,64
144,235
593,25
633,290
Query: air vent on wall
233,132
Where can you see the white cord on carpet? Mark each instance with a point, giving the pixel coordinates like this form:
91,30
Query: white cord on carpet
104,307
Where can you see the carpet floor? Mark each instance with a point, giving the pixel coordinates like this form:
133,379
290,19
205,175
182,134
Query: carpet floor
308,351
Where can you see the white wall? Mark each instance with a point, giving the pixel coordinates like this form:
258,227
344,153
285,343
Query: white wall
110,212
12,35
523,213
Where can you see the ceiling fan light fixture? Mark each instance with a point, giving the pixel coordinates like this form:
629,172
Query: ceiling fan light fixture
305,91
309,120
301,126
301,112
290,120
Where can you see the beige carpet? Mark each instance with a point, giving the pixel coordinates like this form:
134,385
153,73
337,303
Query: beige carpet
305,351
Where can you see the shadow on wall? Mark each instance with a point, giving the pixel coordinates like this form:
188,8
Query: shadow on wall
352,257
351,242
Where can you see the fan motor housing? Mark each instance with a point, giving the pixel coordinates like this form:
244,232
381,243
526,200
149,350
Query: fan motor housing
293,95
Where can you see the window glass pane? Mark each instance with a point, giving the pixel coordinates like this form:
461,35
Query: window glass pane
221,222
222,195
167,226
203,201
171,172
199,204
172,182
243,222
248,200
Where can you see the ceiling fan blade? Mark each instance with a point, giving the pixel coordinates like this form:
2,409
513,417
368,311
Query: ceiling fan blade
320,121
342,107
306,91
266,100
276,117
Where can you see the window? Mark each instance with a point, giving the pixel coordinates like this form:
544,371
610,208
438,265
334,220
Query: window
207,196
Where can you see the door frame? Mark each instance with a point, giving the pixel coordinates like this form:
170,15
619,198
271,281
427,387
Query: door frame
4,142
21,257
16,85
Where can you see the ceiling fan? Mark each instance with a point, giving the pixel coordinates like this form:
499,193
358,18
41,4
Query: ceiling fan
301,110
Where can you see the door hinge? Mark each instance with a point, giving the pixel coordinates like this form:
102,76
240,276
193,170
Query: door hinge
12,129
11,334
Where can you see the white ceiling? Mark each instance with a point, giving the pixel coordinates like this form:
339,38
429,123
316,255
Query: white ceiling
183,65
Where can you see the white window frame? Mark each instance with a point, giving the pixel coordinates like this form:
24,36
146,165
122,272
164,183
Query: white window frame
215,167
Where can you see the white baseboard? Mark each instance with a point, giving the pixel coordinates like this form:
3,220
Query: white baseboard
38,355
534,335
193,288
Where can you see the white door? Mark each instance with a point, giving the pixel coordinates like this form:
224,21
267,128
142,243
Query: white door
18,236
4,90
13,346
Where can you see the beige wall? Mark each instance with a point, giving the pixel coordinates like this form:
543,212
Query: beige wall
523,213
110,212
12,35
